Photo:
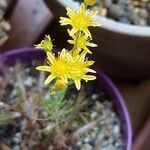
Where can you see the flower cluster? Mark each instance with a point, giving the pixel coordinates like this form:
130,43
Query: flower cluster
71,65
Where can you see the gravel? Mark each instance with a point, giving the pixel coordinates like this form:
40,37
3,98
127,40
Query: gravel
16,147
107,135
134,12
4,25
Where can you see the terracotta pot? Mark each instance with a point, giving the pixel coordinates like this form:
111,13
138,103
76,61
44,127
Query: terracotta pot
124,50
25,54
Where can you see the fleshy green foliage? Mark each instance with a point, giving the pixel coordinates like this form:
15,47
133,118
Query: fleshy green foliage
64,112
54,104
77,115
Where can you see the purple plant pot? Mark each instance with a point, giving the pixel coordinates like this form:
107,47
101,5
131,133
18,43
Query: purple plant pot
27,54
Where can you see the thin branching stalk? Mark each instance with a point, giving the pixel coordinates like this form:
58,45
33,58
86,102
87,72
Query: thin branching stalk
20,82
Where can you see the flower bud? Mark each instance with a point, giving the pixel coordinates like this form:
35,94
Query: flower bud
60,85
89,2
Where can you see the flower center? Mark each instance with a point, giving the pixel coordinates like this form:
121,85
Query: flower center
60,68
81,43
80,21
77,70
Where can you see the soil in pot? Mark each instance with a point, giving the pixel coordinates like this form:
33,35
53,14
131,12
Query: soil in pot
125,11
27,114
4,25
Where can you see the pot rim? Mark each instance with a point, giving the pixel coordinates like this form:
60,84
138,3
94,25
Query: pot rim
112,25
106,82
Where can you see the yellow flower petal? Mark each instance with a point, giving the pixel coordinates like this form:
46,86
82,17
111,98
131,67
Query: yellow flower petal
73,31
86,50
91,44
69,57
82,58
87,33
44,68
95,24
71,41
89,77
70,12
64,78
90,70
64,21
82,8
50,57
89,63
78,84
49,79
92,13
63,54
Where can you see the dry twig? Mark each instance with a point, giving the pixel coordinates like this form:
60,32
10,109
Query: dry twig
76,135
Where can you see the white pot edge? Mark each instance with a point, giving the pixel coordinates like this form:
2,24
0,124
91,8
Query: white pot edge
132,30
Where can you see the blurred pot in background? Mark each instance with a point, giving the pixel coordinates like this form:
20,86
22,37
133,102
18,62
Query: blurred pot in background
28,22
6,9
124,50
23,54
142,141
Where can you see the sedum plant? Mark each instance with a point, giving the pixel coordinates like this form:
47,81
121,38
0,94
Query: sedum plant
67,67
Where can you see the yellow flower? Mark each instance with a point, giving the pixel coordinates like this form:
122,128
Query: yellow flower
45,44
89,2
79,20
79,67
81,41
58,67
66,67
